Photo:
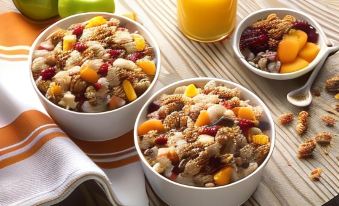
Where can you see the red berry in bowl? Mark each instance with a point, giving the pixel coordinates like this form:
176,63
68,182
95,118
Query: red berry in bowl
48,73
161,140
312,35
135,56
103,69
209,130
78,30
245,124
115,53
80,47
97,86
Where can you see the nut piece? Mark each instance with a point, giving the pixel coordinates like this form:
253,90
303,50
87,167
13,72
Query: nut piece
286,118
323,138
302,124
330,121
315,174
306,149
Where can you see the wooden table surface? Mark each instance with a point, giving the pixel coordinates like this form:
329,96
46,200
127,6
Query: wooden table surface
285,180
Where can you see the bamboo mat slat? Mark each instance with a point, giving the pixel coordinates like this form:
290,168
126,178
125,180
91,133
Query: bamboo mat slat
285,180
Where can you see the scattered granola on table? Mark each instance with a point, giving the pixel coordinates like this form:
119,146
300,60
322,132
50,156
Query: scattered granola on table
315,174
302,123
330,121
209,137
286,118
323,138
93,66
306,149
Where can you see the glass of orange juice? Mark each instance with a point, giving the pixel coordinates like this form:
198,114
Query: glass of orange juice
207,20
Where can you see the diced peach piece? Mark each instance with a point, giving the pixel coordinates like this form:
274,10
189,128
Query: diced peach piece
191,91
96,21
89,75
129,90
309,51
68,42
147,66
288,49
296,65
202,119
223,176
301,36
246,113
151,124
116,102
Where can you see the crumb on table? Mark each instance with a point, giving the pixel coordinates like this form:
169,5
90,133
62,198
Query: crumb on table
315,174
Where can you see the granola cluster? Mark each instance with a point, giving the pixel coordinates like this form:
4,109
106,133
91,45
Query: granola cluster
93,66
203,136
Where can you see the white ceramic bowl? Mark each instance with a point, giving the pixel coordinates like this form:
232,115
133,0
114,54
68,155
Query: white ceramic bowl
183,195
261,14
104,125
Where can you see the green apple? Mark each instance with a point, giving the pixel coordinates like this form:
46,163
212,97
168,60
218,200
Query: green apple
69,7
37,9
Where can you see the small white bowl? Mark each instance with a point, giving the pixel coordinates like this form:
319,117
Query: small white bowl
104,125
261,14
177,194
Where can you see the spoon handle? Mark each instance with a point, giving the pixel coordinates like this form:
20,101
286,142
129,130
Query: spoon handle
319,66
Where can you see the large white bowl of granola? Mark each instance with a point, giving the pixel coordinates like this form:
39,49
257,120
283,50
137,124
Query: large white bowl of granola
93,72
204,141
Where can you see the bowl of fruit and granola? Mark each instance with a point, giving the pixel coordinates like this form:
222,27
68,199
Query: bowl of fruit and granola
93,72
279,43
204,141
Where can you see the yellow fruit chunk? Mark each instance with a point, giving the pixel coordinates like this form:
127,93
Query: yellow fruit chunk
54,90
151,124
288,49
336,96
147,66
191,91
296,65
202,119
246,113
223,176
129,90
68,42
96,21
309,51
89,75
131,15
260,139
301,36
139,41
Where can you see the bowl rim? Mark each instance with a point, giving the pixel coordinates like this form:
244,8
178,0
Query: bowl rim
91,14
279,76
205,79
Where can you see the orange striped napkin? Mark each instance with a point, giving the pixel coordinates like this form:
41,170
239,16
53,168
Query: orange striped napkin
39,164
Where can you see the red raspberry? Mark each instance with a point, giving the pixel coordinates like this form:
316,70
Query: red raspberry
209,130
103,69
78,30
115,53
48,73
135,56
97,86
161,140
80,47
245,124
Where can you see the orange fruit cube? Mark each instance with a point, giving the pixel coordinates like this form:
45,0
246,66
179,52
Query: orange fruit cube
296,65
191,91
151,124
203,119
96,21
147,66
246,113
309,51
223,176
288,49
89,75
129,90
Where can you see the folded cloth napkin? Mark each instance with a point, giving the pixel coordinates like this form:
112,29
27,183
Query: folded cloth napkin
39,164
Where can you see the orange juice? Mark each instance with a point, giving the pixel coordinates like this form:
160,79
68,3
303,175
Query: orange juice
207,20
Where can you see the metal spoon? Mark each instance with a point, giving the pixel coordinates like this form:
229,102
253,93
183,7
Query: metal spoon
302,97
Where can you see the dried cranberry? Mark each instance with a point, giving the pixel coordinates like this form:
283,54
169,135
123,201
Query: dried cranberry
245,124
154,106
255,40
115,53
97,86
135,56
161,140
80,47
48,73
78,30
209,130
103,69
